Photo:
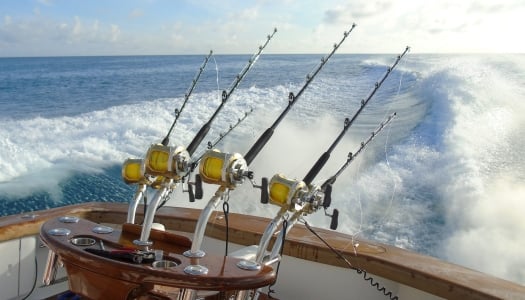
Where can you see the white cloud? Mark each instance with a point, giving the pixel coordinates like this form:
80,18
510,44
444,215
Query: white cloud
307,26
7,20
348,13
77,27
115,32
45,2
247,14
136,13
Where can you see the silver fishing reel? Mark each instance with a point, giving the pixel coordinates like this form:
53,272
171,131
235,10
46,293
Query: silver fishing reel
166,161
224,169
286,193
296,197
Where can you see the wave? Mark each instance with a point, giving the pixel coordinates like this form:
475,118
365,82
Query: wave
458,177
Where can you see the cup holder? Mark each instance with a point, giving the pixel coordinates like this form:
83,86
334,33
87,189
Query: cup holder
164,264
83,241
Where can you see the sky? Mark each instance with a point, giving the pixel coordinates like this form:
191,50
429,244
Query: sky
162,27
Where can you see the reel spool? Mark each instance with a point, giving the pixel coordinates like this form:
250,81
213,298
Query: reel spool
167,161
224,169
133,172
286,192
295,196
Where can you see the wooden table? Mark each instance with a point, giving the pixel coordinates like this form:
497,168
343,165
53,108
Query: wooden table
98,277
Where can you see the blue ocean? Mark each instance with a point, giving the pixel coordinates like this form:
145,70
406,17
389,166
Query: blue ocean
446,178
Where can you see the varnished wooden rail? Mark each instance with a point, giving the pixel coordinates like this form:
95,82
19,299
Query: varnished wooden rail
419,271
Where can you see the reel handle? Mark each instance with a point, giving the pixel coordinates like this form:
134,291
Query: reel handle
327,196
264,190
198,187
190,193
335,219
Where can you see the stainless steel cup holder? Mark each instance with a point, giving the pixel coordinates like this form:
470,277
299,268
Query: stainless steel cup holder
83,241
164,264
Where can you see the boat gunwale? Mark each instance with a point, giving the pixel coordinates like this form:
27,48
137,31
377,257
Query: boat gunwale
422,272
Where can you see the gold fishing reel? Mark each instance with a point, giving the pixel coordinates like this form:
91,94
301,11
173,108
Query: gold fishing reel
286,193
166,161
295,195
161,163
134,172
224,169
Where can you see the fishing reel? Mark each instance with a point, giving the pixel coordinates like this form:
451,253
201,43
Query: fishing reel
224,169
286,193
166,161
295,196
161,164
134,172
321,196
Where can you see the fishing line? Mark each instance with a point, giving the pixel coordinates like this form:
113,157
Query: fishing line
226,211
366,276
217,77
387,161
360,228
382,219
187,95
270,287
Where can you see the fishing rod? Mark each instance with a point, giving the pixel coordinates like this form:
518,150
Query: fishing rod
326,186
321,196
352,156
171,164
175,162
348,122
310,202
198,182
226,95
265,137
300,201
199,137
187,95
230,170
222,135
300,197
134,170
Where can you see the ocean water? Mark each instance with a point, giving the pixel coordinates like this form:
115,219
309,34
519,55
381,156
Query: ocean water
446,178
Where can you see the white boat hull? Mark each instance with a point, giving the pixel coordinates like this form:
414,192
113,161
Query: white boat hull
307,270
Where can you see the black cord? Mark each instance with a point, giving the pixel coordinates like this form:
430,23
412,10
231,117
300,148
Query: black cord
226,210
34,282
284,229
359,271
375,284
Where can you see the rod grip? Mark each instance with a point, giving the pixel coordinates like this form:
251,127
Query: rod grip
264,190
316,168
327,196
198,138
257,147
335,220
198,187
190,193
